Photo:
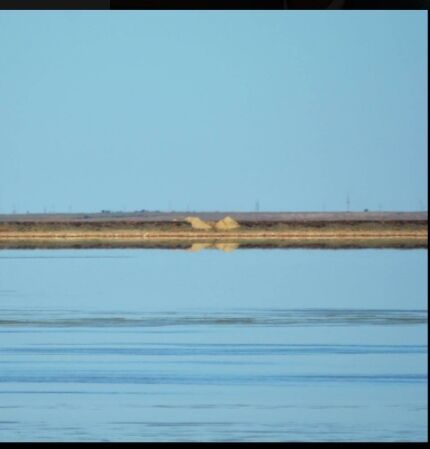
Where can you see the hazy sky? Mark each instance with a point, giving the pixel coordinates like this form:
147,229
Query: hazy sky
213,110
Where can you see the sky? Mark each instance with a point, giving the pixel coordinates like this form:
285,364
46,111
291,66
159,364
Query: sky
200,111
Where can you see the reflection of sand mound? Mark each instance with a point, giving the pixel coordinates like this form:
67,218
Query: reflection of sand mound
227,247
197,223
195,247
226,224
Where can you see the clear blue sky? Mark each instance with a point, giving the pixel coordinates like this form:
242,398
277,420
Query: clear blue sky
213,110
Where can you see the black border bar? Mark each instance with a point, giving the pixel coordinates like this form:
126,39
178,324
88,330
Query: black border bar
212,4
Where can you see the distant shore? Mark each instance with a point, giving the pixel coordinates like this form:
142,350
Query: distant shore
147,216
199,230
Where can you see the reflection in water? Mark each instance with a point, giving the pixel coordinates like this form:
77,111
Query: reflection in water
226,247
179,347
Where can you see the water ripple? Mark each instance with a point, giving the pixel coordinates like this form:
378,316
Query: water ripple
305,317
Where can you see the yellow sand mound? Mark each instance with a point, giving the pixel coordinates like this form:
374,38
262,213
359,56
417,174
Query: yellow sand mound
197,223
226,224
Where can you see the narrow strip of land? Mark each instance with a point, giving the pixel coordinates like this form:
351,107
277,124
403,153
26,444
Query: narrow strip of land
227,231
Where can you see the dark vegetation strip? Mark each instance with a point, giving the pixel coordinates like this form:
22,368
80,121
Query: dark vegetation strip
47,226
187,245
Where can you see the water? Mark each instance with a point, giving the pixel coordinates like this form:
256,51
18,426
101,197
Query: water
153,345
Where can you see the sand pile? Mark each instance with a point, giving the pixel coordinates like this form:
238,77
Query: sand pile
227,224
197,223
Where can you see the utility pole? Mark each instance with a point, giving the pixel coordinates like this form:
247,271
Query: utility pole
347,202
257,206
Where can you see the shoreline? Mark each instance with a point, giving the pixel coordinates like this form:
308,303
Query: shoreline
253,230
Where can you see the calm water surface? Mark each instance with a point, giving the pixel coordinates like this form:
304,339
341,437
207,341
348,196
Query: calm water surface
275,345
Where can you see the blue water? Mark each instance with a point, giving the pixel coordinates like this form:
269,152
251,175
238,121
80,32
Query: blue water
255,345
